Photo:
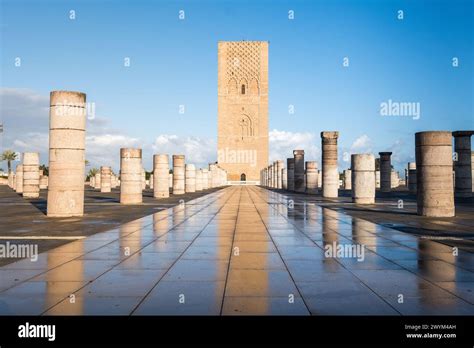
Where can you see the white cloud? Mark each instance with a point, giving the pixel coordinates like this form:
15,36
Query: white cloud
197,150
104,149
363,144
282,144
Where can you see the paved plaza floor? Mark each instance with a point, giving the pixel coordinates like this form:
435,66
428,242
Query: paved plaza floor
245,250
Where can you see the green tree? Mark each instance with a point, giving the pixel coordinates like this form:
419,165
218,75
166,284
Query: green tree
9,156
45,169
92,172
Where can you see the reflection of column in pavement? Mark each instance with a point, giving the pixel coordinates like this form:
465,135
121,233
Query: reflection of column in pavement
130,234
330,226
179,213
429,251
160,222
76,268
312,213
360,230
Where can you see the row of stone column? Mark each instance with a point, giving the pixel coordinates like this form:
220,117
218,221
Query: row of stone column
304,176
277,176
184,179
28,178
347,183
104,180
67,164
431,175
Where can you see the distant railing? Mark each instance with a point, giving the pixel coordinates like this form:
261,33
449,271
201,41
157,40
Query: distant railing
243,182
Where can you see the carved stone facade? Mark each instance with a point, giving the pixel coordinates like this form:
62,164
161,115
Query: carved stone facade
242,139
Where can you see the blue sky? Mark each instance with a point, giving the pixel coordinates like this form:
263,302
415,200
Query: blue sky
174,62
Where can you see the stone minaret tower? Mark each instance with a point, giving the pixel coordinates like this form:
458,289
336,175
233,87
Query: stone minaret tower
242,138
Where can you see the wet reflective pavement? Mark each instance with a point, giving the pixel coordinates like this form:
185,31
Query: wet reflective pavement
243,250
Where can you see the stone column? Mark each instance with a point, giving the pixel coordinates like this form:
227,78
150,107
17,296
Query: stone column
178,174
275,174
151,181
223,177
131,176
434,166
363,178
329,164
377,179
10,180
43,182
270,178
205,179
170,181
284,178
161,173
19,179
311,177
385,171
412,177
105,179
190,182
143,179
279,167
67,140
463,166
199,180
298,173
211,176
320,179
97,181
348,179
394,179
290,165
31,175
92,181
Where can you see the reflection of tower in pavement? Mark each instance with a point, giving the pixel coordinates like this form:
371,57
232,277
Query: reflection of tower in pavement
330,226
53,288
426,268
249,218
360,230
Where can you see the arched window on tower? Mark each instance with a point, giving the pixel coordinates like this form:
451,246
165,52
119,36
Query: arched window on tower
243,89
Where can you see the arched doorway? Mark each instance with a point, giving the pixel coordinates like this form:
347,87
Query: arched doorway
243,177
